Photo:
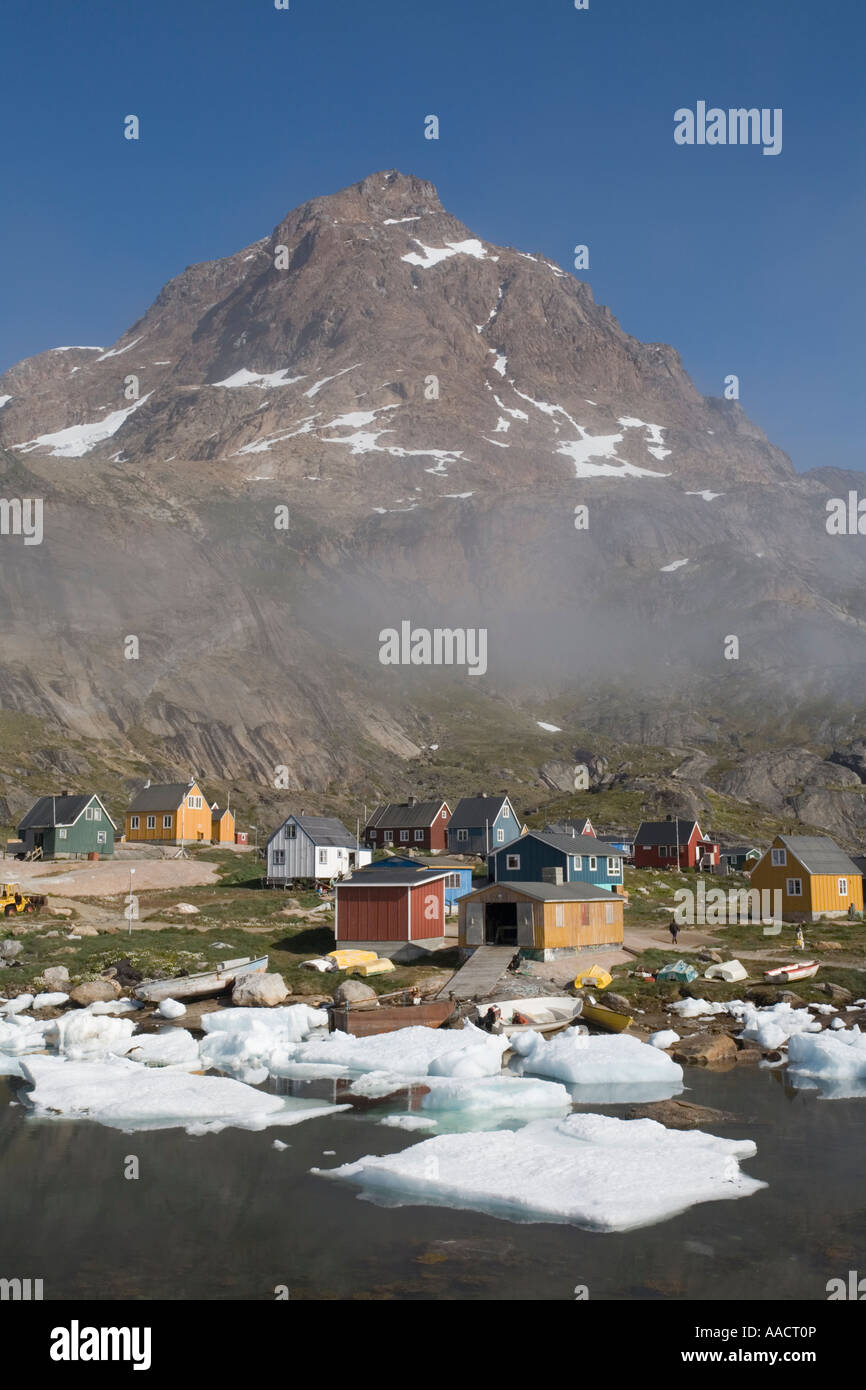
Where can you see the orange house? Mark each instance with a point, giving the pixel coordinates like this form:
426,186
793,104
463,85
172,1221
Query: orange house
813,875
171,813
222,825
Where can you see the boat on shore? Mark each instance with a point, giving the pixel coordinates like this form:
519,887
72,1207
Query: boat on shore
362,1023
784,973
542,1014
222,977
607,1019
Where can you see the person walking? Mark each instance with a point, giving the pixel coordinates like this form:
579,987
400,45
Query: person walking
674,931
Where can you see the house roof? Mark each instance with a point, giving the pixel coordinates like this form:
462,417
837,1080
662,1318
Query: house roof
404,816
663,832
472,811
860,861
436,861
552,892
217,812
370,877
161,796
819,854
565,827
50,811
322,830
567,844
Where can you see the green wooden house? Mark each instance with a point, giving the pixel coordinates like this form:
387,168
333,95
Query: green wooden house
68,827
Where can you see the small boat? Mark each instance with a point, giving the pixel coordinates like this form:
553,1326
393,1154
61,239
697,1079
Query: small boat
608,1019
784,973
361,1023
544,1014
222,977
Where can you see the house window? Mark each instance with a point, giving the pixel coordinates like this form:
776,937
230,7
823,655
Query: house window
512,861
794,887
672,852
279,856
92,813
608,914
292,831
166,822
843,888
194,803
505,813
389,837
463,834
61,834
452,881
577,860
444,813
100,837
560,914
500,836
372,834
778,857
323,856
419,834
404,835
134,822
593,862
151,823
613,865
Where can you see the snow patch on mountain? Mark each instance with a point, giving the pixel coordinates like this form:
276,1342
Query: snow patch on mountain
261,379
80,439
118,352
434,254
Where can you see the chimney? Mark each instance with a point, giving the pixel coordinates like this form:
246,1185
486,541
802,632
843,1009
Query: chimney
64,792
551,876
147,784
413,801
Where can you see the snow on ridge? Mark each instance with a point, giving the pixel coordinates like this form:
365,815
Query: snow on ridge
80,439
261,446
434,254
656,445
357,418
260,379
316,388
501,362
4,400
118,352
77,349
394,221
498,442
603,446
516,413
705,494
480,327
675,565
550,728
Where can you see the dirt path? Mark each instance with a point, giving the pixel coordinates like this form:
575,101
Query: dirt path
105,877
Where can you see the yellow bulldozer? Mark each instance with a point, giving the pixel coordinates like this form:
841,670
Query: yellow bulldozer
13,901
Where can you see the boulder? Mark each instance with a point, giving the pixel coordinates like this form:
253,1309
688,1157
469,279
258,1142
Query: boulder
617,1002
679,1114
838,994
354,992
705,1049
711,957
260,991
9,949
84,929
60,911
56,977
95,992
829,946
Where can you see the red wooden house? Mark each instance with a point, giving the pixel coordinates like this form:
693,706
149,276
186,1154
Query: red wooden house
421,825
666,844
398,905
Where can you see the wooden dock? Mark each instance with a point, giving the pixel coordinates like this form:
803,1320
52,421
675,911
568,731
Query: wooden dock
480,975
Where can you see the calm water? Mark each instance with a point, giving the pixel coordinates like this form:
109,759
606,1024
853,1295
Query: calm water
227,1216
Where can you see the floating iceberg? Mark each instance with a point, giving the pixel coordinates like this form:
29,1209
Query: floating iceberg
593,1171
173,1048
772,1027
409,1053
125,1095
582,1059
246,1041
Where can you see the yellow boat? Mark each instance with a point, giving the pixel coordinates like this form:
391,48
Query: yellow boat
373,967
348,958
605,1018
593,978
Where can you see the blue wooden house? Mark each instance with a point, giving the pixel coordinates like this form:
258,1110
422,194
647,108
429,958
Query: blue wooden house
459,876
480,824
581,859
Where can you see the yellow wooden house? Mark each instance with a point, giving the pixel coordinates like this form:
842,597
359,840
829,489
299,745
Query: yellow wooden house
222,825
543,919
170,813
814,876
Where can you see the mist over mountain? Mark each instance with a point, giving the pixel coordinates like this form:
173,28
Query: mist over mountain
430,409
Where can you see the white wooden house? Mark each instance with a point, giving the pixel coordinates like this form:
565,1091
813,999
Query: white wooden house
312,848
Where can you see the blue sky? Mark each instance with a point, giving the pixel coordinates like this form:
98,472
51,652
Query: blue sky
556,129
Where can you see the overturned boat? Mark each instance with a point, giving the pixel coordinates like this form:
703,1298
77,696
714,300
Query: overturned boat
222,977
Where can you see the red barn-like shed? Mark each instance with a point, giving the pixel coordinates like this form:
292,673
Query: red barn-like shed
666,844
392,905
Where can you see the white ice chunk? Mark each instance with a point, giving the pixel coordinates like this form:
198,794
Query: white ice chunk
409,1122
664,1038
171,1008
586,1060
52,999
173,1048
772,1027
594,1171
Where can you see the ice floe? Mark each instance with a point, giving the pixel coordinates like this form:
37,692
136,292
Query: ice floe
697,1008
838,1058
598,1061
409,1053
171,1008
173,1048
772,1027
125,1095
409,1122
246,1042
593,1171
